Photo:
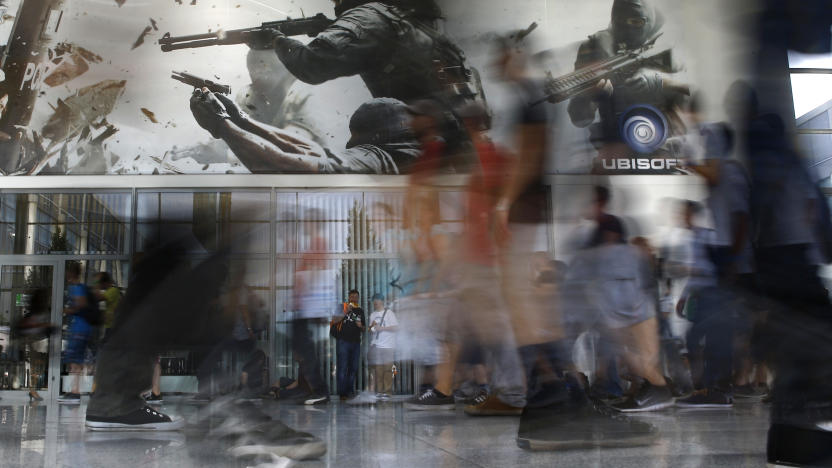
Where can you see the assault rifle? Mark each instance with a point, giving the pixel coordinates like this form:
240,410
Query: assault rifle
622,64
200,83
290,27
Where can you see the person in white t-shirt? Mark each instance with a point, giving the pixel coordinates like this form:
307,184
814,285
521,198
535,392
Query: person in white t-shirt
383,327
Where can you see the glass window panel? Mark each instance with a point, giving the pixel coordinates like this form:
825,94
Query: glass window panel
250,237
180,206
332,222
385,213
108,207
817,150
147,207
184,232
250,206
810,91
24,361
65,223
286,226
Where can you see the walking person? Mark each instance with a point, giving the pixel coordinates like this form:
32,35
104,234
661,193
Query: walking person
84,316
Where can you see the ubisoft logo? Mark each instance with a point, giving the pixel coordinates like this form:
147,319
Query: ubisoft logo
643,128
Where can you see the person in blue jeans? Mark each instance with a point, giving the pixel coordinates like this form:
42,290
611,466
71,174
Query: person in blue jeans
84,316
349,344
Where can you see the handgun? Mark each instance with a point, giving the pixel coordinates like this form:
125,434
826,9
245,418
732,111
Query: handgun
200,83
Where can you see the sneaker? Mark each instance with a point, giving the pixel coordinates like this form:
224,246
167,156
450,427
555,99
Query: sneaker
678,391
706,399
363,398
604,390
70,398
430,399
154,399
798,445
315,399
383,397
581,424
276,438
296,393
473,399
492,406
749,391
143,419
648,398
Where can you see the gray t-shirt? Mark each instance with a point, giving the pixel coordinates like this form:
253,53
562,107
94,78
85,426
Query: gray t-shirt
393,158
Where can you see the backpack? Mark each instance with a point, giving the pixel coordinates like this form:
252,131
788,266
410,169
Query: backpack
335,327
92,313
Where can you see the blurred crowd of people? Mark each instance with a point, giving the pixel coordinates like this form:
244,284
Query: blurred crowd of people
731,307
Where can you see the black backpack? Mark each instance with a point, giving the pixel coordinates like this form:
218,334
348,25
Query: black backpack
92,312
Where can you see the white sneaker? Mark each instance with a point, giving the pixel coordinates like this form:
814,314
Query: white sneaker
363,398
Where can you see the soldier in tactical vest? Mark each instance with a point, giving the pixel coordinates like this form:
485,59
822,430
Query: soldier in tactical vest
396,48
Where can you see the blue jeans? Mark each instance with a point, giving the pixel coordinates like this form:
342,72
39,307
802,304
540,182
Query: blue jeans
348,356
80,335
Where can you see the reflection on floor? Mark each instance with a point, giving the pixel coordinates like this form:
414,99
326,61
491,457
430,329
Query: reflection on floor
382,436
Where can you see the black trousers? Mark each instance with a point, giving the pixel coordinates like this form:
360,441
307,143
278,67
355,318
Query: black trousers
169,305
799,326
303,346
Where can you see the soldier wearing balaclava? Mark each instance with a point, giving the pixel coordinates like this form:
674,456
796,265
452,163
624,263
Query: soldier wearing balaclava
632,24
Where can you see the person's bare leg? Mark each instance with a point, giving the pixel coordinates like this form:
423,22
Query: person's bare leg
480,374
155,387
75,370
761,375
445,371
744,364
643,339
387,378
374,379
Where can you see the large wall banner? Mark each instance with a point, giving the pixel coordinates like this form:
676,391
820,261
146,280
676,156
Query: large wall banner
320,86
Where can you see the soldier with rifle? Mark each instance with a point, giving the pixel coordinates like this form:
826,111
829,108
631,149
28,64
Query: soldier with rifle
645,81
393,45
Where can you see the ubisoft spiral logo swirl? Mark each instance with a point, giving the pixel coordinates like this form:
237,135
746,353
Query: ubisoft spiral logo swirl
643,128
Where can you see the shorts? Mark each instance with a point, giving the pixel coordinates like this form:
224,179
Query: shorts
80,335
380,356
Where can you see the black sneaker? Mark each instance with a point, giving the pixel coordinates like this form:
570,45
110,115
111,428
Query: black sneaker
315,399
648,398
474,399
154,399
430,399
69,398
297,393
580,424
706,399
144,419
276,438
790,445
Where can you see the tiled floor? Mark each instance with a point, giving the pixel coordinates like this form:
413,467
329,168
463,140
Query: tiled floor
383,436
